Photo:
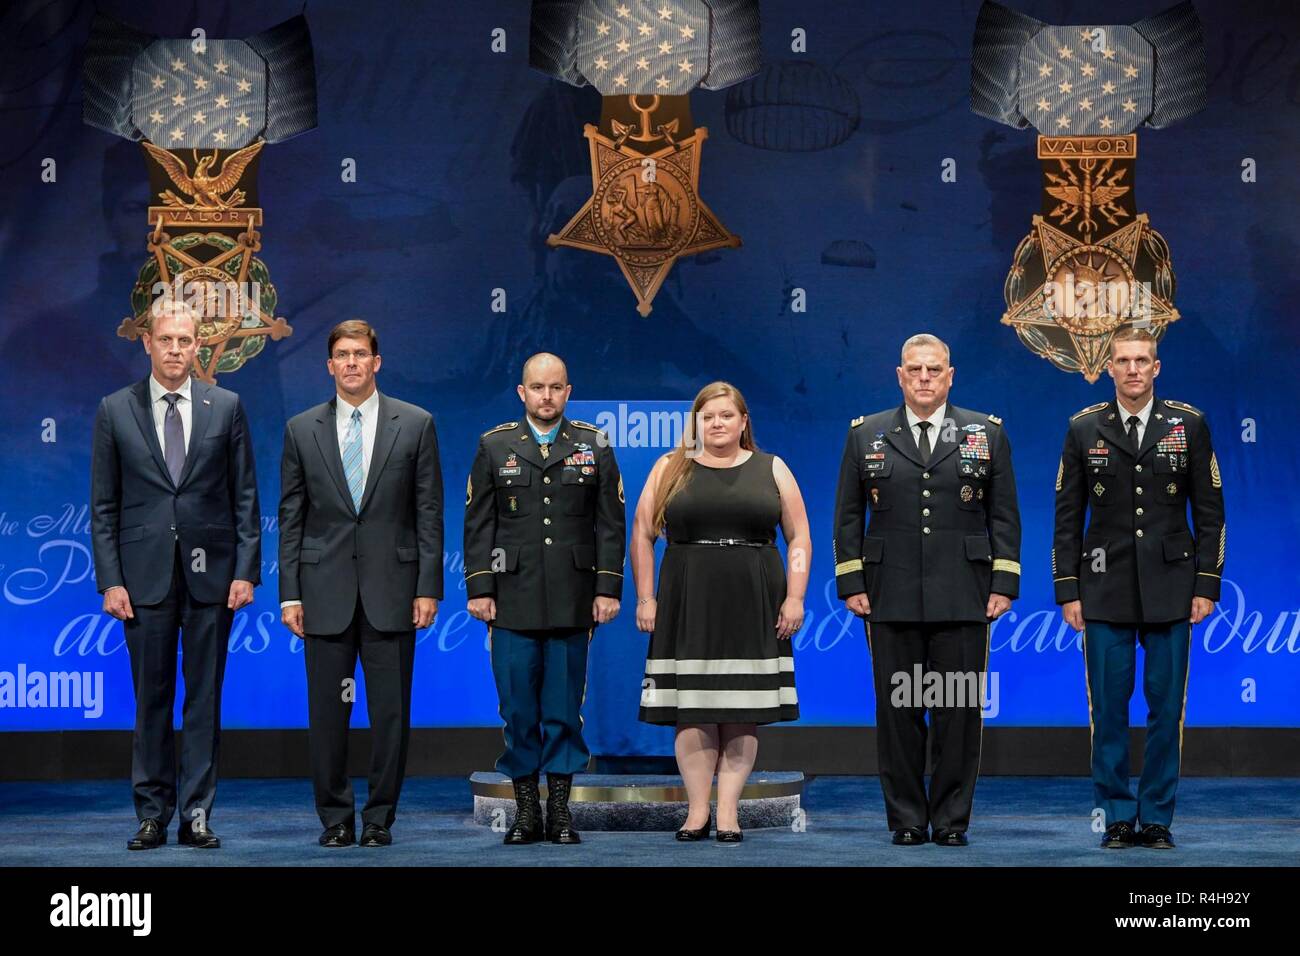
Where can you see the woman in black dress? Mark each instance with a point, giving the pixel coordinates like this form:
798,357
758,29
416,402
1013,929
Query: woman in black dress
719,662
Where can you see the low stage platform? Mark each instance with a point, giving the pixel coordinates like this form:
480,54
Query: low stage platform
1024,821
642,802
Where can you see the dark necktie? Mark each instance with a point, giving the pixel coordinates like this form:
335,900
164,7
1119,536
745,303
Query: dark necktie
1133,432
925,442
173,438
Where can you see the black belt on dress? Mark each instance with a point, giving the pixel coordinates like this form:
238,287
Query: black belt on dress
727,542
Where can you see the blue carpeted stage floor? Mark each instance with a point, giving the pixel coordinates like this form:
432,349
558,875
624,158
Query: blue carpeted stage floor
1041,821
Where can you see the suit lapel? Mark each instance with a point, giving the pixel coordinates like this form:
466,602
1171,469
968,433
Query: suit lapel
200,418
143,411
945,445
386,428
900,436
327,440
562,447
1157,428
524,445
1112,429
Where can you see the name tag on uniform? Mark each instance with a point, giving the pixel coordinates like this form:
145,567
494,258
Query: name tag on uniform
1098,461
505,472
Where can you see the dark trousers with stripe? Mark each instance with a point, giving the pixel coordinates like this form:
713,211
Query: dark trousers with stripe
1110,652
541,679
388,662
954,734
151,641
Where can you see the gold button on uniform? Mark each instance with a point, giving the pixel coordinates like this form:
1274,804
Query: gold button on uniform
548,540
1139,511
925,512
925,474
548,520
926,493
1138,490
1138,467
1139,532
546,501
925,530
546,479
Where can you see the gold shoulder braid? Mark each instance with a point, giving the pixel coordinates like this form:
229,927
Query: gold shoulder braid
1089,410
1060,475
500,428
857,421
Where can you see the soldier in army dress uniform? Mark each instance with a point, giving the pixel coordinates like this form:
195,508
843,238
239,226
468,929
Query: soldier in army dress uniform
937,560
1137,574
544,546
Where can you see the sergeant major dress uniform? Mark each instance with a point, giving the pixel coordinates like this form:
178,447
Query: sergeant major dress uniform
928,541
1136,569
544,535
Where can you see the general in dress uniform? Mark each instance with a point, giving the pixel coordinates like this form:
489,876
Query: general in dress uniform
927,549
1133,467
544,548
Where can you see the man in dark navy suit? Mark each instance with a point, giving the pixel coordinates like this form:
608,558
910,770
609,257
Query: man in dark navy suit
360,572
177,541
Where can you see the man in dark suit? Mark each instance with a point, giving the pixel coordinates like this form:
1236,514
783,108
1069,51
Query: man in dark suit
544,545
938,560
1137,575
360,572
177,541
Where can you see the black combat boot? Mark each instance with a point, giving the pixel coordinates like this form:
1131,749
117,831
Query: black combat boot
528,813
559,821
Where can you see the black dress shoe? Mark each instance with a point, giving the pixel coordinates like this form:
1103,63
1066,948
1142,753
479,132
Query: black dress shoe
150,836
730,836
559,821
1120,836
692,836
338,835
950,838
528,814
1156,837
911,836
372,834
200,837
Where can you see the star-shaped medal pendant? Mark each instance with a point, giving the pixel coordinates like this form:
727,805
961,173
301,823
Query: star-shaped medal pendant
645,208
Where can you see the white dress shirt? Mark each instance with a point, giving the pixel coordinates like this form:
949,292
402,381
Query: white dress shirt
369,425
936,423
1143,417
158,405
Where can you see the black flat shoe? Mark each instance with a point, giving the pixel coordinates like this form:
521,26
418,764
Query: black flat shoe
1119,836
372,834
1156,837
730,836
950,838
198,837
150,836
693,836
911,836
338,836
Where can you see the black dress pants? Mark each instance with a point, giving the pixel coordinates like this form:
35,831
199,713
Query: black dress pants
387,661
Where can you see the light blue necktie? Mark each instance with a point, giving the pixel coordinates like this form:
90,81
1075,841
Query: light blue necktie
352,461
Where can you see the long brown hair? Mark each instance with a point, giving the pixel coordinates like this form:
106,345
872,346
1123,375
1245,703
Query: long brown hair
680,467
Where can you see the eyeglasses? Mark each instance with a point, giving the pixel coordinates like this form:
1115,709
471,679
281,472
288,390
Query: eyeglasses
360,355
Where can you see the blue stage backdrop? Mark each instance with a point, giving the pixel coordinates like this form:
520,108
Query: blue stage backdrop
828,166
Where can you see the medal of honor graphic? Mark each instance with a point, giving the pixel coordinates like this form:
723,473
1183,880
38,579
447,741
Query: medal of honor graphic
644,57
202,110
1092,264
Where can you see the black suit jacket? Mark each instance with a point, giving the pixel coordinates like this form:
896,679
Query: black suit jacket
941,537
138,514
544,536
1138,562
390,549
